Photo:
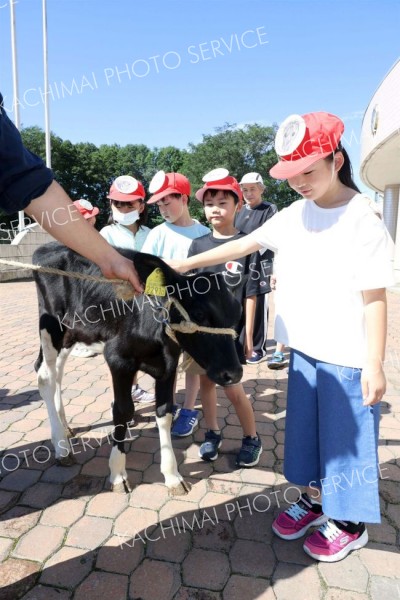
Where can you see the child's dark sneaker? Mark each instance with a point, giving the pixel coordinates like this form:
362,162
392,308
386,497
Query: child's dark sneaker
185,423
335,539
250,452
209,449
256,357
294,522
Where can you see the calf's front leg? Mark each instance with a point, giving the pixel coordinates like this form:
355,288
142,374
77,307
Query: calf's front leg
123,411
173,480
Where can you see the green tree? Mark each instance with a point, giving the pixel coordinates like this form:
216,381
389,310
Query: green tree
87,171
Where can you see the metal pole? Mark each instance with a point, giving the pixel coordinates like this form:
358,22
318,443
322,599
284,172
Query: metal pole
15,90
46,85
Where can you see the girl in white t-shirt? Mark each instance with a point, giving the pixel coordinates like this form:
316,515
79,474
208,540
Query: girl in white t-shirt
127,230
334,265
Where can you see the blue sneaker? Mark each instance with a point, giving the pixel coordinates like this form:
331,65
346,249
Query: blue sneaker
209,449
185,423
277,361
250,452
256,358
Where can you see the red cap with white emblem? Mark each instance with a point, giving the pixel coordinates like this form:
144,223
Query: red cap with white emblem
126,189
303,140
86,208
163,184
219,179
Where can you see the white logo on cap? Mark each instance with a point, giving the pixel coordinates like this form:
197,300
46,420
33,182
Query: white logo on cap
86,204
157,182
290,135
215,175
126,184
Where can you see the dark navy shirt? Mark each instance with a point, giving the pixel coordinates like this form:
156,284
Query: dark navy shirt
247,220
246,268
23,175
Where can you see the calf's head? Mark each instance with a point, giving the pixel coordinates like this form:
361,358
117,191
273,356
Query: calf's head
208,303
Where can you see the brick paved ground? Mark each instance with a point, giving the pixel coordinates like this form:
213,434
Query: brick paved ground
63,535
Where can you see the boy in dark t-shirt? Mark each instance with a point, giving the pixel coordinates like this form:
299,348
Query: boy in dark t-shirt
247,267
221,196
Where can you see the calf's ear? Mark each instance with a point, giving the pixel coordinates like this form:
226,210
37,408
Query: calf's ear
146,264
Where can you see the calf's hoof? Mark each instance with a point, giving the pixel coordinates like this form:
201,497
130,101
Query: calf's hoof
121,488
181,489
66,461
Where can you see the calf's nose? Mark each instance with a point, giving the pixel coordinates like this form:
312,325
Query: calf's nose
227,376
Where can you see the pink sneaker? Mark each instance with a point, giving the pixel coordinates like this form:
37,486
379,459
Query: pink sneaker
294,522
335,539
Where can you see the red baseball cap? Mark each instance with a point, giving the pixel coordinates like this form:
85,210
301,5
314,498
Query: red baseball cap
163,184
126,189
303,140
219,179
86,208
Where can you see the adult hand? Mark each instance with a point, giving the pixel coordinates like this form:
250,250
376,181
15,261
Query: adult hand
119,267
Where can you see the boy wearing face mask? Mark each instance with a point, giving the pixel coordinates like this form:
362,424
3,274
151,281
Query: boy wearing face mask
128,214
127,230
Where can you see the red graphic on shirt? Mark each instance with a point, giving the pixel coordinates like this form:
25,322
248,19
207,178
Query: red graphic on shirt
233,267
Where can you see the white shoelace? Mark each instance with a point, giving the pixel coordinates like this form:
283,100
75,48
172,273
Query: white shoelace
296,512
330,531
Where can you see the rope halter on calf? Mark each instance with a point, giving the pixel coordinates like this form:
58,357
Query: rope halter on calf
186,326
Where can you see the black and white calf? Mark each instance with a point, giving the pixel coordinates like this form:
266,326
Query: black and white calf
135,336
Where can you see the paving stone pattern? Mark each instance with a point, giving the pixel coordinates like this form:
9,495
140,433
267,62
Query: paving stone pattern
64,535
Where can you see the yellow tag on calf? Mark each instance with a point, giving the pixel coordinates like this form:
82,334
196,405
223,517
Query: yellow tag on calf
155,283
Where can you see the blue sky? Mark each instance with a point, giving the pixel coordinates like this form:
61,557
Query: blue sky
164,72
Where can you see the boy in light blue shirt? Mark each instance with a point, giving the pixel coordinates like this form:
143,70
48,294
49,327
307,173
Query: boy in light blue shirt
172,240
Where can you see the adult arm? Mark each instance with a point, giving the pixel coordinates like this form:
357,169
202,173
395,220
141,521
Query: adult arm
373,378
55,212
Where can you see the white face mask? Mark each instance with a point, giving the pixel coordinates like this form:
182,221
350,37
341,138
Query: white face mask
128,218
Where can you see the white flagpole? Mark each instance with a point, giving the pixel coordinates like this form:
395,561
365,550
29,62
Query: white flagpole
46,86
15,91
